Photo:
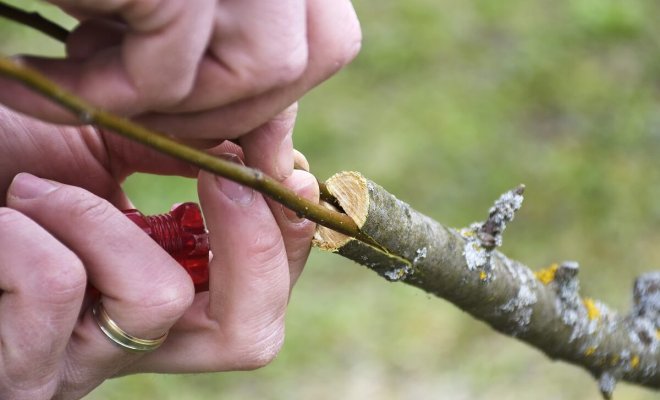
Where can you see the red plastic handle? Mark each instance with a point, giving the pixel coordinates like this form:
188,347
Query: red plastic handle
181,232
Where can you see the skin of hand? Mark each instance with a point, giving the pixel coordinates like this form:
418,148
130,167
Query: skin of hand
61,228
205,69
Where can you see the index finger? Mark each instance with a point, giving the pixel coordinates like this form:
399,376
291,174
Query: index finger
154,66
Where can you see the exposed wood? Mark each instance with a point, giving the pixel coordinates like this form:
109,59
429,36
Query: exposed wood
544,309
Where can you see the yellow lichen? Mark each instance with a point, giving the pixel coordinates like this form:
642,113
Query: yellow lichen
547,275
483,275
657,334
592,311
589,351
634,362
468,233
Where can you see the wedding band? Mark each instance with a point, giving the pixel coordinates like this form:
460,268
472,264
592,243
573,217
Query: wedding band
120,336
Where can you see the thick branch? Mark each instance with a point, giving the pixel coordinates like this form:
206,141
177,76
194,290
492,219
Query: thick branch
543,309
35,21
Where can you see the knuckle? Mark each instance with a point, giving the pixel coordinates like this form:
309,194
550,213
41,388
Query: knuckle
260,350
267,251
138,10
66,281
169,302
288,69
83,205
62,276
341,50
163,95
272,69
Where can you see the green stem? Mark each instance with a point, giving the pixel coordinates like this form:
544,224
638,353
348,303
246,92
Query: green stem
250,177
57,32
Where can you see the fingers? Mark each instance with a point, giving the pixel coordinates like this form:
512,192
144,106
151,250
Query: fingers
334,39
249,281
154,67
92,36
296,231
239,323
43,284
126,157
143,289
242,83
256,46
257,253
269,148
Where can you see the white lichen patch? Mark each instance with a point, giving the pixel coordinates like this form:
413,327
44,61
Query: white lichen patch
650,369
644,333
569,305
420,255
575,316
587,318
504,210
481,238
476,257
397,274
520,306
647,297
606,384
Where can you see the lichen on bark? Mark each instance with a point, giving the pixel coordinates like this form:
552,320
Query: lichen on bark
544,309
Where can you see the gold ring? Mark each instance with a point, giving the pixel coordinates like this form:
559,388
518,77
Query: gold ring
120,336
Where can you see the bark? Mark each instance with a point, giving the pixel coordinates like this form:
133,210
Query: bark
544,309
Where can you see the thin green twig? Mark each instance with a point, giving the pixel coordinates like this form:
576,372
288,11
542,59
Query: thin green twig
53,30
250,177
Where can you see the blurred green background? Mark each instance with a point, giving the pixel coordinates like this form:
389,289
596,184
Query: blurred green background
449,104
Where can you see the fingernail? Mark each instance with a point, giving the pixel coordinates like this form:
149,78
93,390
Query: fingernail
236,192
304,190
300,161
27,186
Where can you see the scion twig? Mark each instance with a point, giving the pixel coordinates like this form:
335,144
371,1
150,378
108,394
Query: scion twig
250,177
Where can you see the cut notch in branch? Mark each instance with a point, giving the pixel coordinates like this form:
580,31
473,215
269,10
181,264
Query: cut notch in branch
349,191
352,192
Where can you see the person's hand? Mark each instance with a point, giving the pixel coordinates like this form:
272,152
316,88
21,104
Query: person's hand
57,235
205,69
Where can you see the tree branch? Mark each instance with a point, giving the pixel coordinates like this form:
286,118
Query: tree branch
35,21
543,309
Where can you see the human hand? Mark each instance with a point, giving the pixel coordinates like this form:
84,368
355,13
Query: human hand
56,236
198,70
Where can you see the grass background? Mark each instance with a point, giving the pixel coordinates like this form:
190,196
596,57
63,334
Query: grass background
449,104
